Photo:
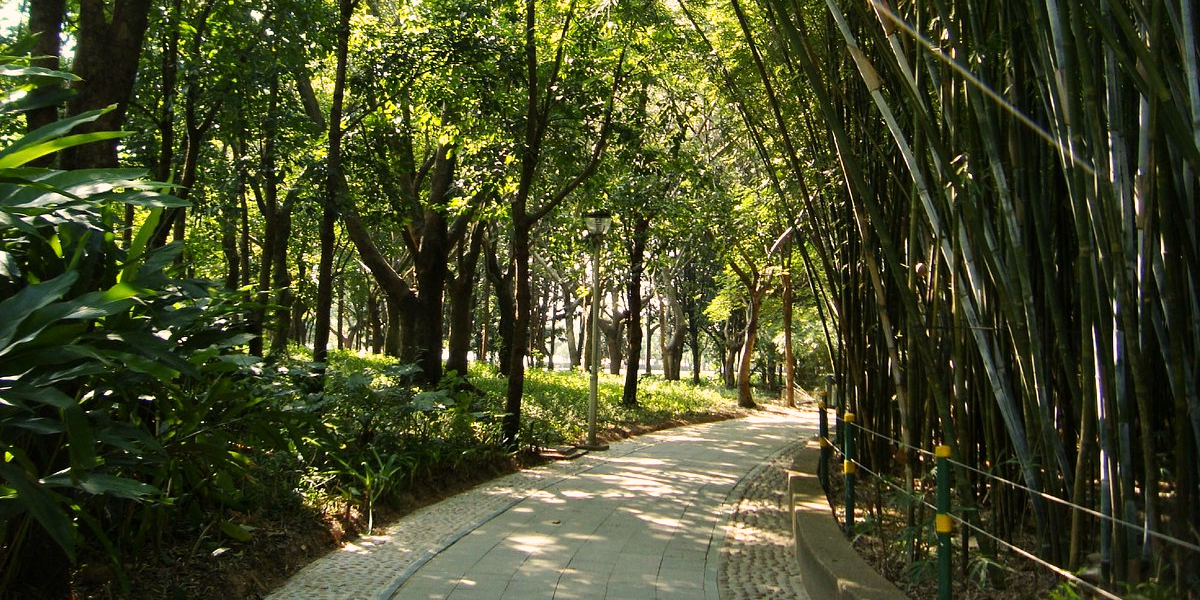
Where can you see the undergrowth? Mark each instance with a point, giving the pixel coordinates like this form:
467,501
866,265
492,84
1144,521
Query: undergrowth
366,446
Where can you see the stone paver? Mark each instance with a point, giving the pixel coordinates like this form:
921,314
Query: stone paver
645,519
757,559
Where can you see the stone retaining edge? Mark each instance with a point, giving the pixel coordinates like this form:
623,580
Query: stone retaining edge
829,565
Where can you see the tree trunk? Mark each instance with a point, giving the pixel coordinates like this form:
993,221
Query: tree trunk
461,289
485,321
108,47
335,189
505,305
612,343
789,361
537,117
745,392
229,246
637,252
299,331
674,334
520,332
614,334
282,277
375,318
649,339
431,266
45,22
569,332
268,205
537,324
400,299
693,339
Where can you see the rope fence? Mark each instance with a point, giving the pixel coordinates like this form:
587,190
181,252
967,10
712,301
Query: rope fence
842,445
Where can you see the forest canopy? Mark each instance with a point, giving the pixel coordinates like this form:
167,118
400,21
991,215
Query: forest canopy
977,218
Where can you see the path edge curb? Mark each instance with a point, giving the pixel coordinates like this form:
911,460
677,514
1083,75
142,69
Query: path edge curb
829,565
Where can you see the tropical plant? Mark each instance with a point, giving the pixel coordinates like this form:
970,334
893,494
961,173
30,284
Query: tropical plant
121,392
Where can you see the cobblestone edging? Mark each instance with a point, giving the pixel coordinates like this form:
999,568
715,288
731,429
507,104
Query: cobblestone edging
757,558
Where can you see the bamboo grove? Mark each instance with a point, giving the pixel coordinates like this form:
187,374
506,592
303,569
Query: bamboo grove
1007,225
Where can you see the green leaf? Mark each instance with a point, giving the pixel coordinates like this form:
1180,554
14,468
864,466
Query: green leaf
81,442
20,102
52,131
34,151
15,71
43,188
9,269
140,242
120,291
236,532
38,425
150,199
358,381
17,390
17,308
121,487
40,503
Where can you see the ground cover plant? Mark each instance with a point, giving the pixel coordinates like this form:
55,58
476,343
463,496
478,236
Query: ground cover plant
376,446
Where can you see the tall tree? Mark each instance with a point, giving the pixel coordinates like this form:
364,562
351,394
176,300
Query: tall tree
336,194
541,97
109,38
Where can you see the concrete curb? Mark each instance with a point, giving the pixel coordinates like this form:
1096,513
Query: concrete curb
829,566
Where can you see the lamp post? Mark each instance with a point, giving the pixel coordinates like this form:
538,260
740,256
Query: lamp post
597,223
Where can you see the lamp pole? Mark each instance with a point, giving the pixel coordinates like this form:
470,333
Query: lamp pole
597,223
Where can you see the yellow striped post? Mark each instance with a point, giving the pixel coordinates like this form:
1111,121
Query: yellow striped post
823,434
943,522
848,468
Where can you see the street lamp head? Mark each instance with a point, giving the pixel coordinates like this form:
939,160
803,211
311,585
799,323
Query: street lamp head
598,222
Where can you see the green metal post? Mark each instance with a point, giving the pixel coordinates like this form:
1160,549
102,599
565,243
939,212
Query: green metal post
943,521
849,468
826,450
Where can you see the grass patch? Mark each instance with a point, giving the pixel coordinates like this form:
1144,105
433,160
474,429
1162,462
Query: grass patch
555,407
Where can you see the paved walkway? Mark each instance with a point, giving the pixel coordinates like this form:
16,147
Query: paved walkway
646,519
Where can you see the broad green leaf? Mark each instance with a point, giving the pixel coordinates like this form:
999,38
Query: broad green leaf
15,71
51,346
151,199
81,443
40,503
140,242
121,487
236,532
358,381
120,291
89,182
34,151
49,396
52,131
48,188
17,308
9,269
20,102
38,425
47,319
134,440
